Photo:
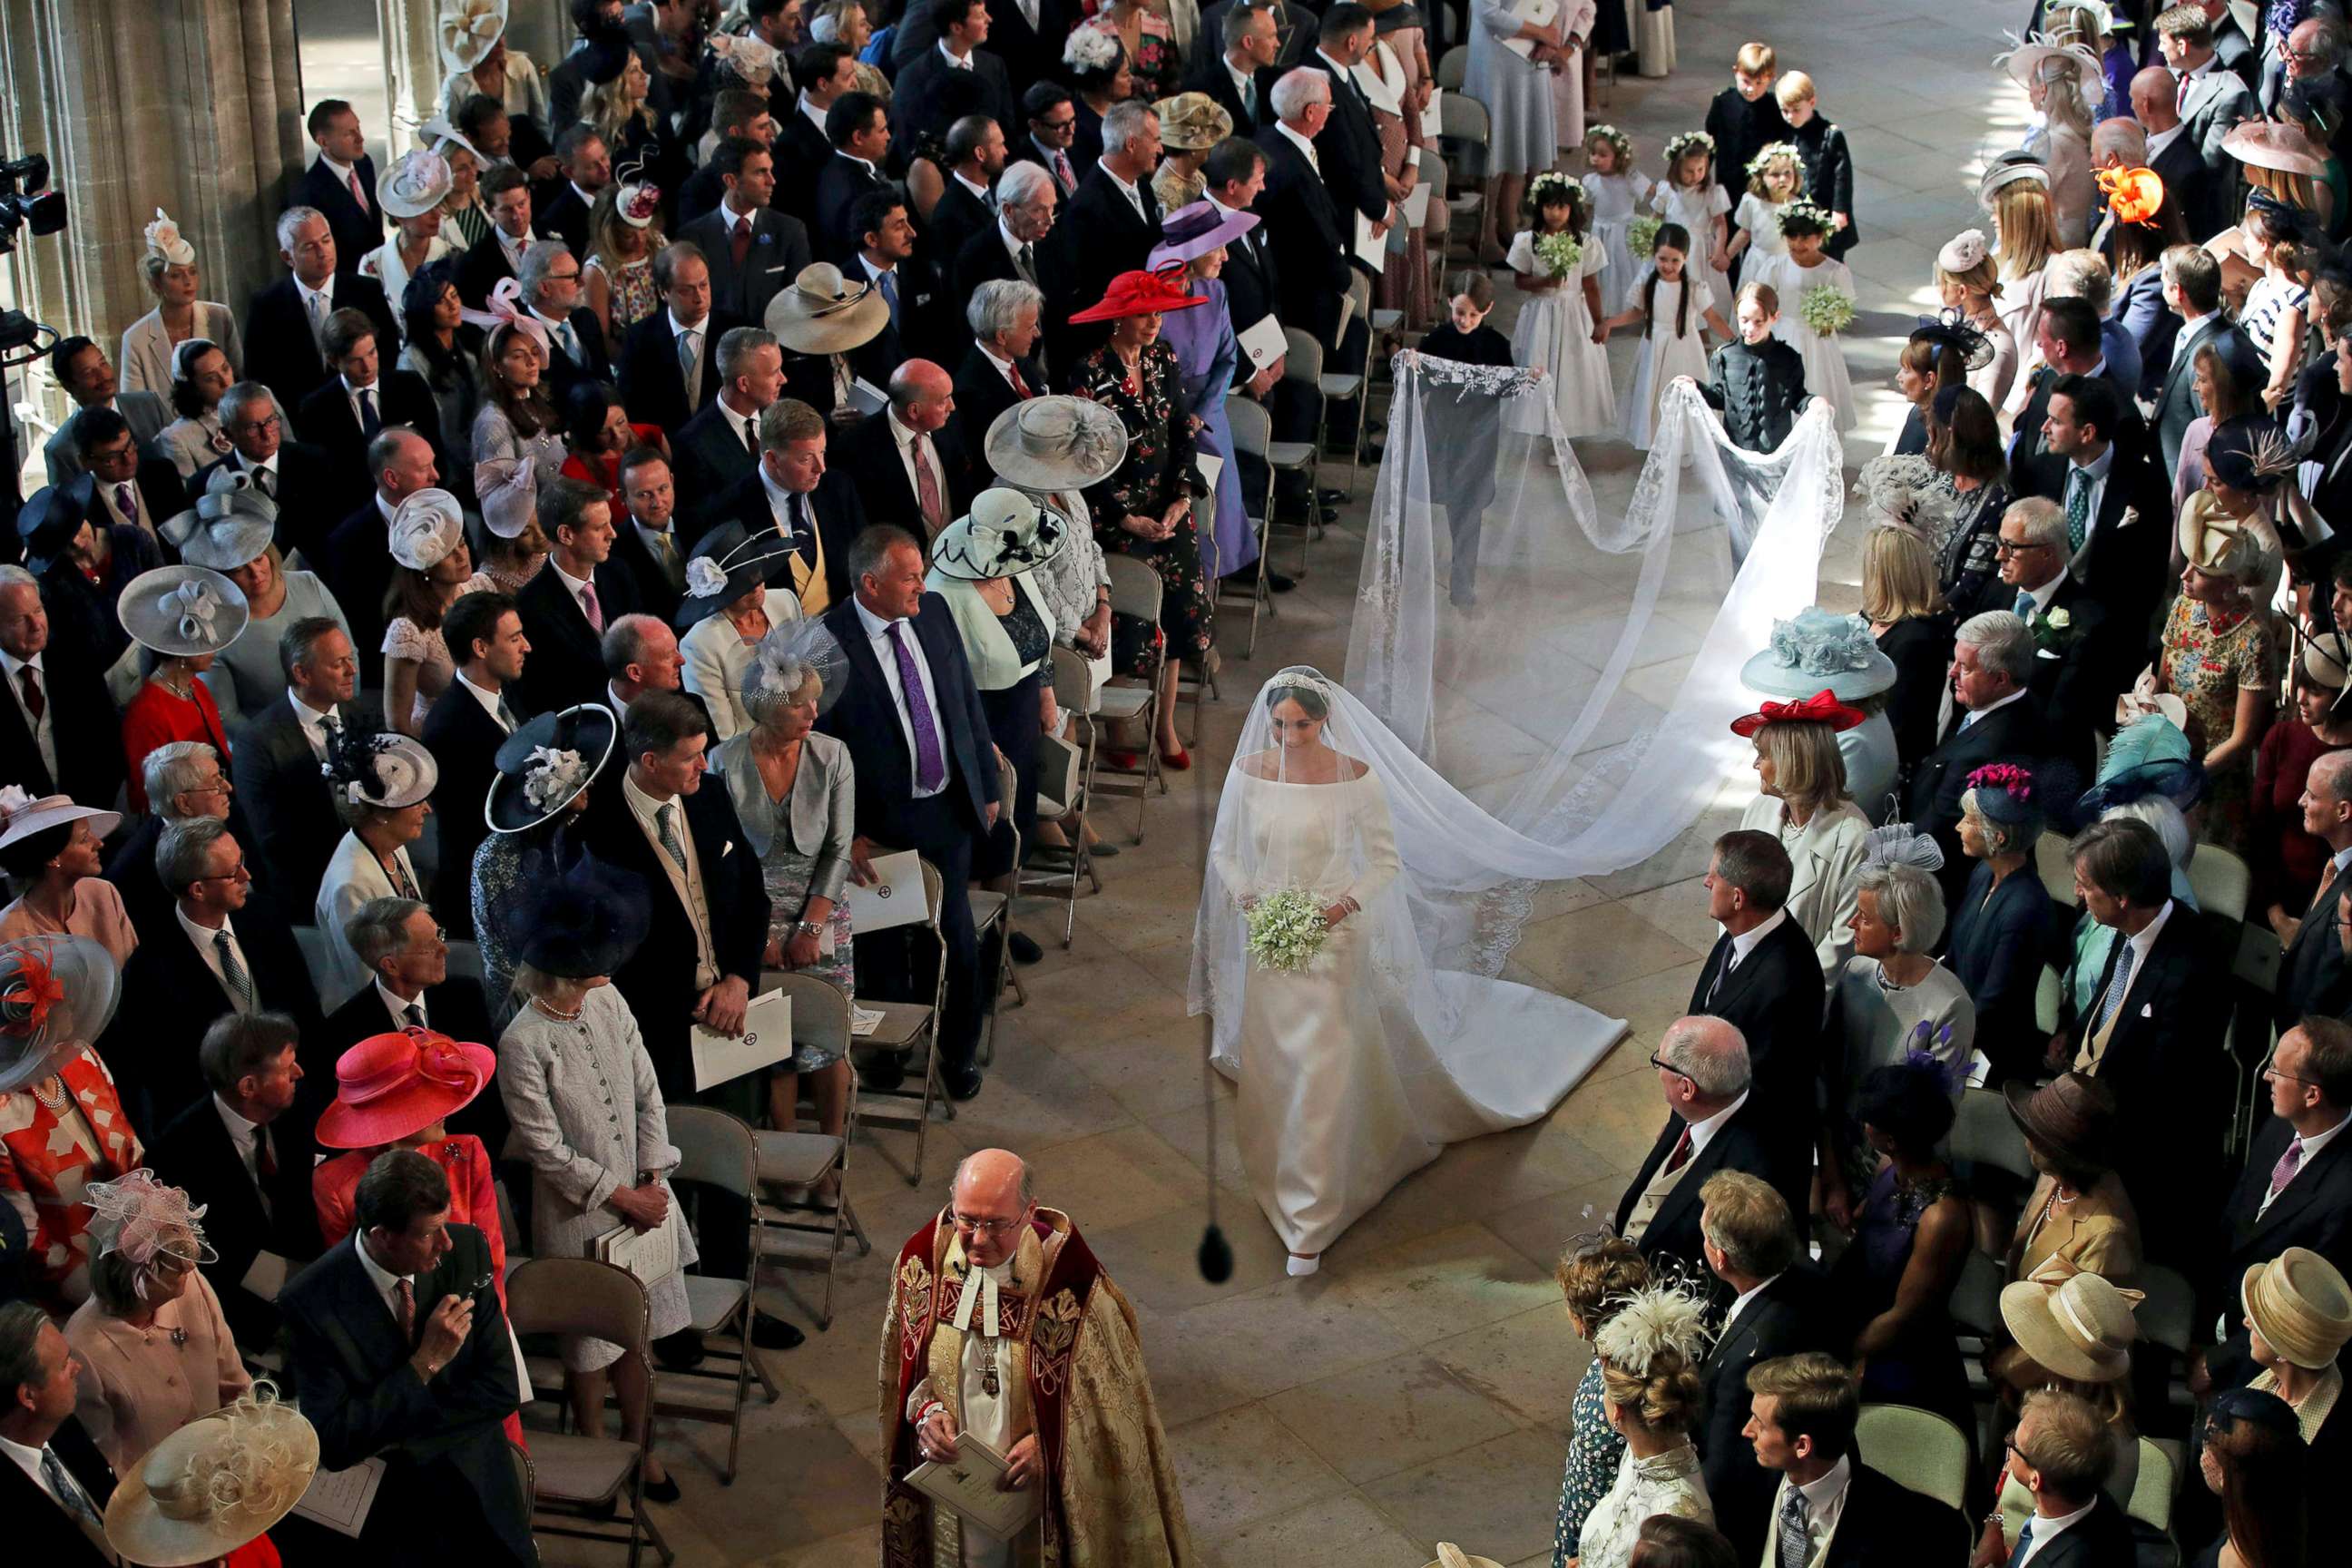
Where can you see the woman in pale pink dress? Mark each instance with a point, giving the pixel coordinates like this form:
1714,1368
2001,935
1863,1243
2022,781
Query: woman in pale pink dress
50,849
1399,60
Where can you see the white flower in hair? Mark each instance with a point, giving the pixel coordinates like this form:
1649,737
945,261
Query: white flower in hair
1091,48
552,776
1651,1321
704,577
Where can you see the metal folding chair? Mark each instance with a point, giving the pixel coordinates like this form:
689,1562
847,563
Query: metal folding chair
715,1149
785,1158
1074,693
905,1027
1254,434
1135,590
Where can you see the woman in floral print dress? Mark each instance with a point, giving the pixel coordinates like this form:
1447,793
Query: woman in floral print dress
1145,508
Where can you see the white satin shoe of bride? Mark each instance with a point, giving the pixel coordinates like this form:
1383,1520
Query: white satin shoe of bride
1300,1267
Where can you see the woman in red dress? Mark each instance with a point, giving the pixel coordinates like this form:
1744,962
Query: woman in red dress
600,436
181,616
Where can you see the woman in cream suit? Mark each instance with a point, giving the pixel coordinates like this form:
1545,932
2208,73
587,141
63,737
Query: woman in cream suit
170,264
727,609
1804,804
381,783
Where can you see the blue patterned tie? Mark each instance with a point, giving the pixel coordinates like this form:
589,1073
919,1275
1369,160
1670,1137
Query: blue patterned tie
890,295
2078,507
2114,998
1796,1540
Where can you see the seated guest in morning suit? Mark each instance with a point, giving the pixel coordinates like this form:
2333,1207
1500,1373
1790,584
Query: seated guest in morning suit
1994,719
284,324
1712,1124
794,489
661,382
56,1487
999,369
910,465
206,964
1751,1245
409,987
749,248
927,774
367,395
403,1355
59,731
464,730
1830,1510
2314,975
2061,1452
277,755
246,1147
2296,1187
2154,1035
721,444
580,592
1764,979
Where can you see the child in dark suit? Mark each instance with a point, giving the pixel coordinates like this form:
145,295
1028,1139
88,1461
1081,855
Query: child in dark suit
1757,381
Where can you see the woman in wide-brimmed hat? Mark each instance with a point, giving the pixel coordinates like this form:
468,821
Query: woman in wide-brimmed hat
727,609
818,320
182,617
2298,1317
588,1115
1145,509
2001,924
410,190
540,790
149,344
479,61
2078,1215
382,784
1815,651
49,848
230,529
210,1491
2072,1332
2064,83
62,1125
1208,355
155,1351
465,215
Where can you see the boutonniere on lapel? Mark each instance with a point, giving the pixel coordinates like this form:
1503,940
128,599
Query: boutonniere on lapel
760,239
2054,630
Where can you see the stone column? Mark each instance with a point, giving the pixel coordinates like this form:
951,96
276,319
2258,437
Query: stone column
197,110
412,66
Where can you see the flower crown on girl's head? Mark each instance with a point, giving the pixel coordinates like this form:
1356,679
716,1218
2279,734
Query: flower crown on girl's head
1805,216
1773,153
1618,141
1684,145
1557,186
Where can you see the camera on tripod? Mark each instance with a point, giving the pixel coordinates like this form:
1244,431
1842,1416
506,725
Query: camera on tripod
27,202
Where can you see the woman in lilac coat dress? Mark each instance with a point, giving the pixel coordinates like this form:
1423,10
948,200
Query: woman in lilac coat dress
1209,356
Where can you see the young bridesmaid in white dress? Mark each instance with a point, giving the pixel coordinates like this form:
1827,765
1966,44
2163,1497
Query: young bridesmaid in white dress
1774,179
1803,267
1557,330
1618,193
1671,306
1692,196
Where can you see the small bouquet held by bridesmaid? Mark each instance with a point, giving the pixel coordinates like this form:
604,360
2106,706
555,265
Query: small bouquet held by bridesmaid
1641,233
1826,309
1559,252
1286,930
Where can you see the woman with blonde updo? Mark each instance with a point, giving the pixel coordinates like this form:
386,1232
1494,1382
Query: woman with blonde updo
1596,1280
1649,1355
1968,282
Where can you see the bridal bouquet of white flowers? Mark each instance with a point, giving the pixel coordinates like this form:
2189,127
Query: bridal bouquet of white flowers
1286,930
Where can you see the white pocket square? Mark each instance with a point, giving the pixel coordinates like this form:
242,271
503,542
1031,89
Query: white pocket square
2146,1009
730,850
2043,653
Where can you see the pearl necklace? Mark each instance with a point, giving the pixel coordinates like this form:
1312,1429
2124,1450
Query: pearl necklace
571,1017
56,1105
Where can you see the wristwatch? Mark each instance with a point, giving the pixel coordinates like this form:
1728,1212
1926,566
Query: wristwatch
809,928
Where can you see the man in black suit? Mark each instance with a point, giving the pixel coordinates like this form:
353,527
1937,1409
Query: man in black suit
564,203
203,965
967,205
60,1517
1764,980
646,541
857,128
2070,341
722,445
1995,719
1349,145
276,754
1743,118
1032,53
357,561
2114,498
566,607
341,184
284,470
1024,246
2313,976
183,779
1240,78
575,337
997,371
2079,653
734,112
959,28
1294,32
2061,1452
1827,1509
1751,1245
669,361
750,250
1302,223
1050,138
2153,1034
87,376
2296,1189
464,730
927,774
825,72
285,325
366,396
506,190
1114,210
1713,1123
126,487
2173,153
2192,289
403,1355
909,466
402,943
58,733
245,1151
794,489
918,323
1235,171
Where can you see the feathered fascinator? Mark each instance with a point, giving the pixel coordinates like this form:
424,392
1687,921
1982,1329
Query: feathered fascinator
1901,844
1687,142
164,239
1900,492
1091,48
1771,153
1652,1320
787,657
2252,454
2133,196
142,1219
1952,333
215,1484
1964,251
1803,216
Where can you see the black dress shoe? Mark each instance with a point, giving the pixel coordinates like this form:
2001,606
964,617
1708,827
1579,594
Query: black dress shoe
1277,583
880,1073
1330,497
961,1082
773,1333
680,1351
1025,947
662,1490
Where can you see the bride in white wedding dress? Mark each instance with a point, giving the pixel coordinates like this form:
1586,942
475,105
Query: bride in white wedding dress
1354,1071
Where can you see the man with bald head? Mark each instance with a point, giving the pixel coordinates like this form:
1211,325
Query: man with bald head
909,466
357,561
2172,153
2314,975
1711,1125
995,1290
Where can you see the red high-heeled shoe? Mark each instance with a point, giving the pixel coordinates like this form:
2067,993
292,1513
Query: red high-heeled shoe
1177,761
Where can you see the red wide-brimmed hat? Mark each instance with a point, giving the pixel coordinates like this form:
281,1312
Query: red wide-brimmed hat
1139,294
391,1086
1820,707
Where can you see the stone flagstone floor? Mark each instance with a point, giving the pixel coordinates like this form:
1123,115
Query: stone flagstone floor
1418,1388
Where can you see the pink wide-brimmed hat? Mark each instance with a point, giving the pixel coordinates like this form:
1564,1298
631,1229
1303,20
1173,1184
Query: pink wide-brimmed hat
391,1086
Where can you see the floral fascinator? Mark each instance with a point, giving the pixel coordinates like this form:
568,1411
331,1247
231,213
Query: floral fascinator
1964,252
1091,48
786,657
1650,1322
2005,793
543,766
1818,651
1683,144
164,239
56,993
425,527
